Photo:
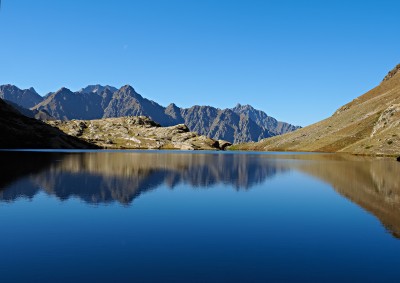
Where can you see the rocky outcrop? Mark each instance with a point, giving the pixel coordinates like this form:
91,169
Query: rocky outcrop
392,73
138,132
389,119
19,131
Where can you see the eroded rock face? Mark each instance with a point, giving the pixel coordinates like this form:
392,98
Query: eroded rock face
137,132
390,118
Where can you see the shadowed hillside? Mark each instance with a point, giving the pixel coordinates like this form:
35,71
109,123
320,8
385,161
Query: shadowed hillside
19,131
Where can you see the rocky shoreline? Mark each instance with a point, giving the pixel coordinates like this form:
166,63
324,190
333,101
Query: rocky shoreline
137,132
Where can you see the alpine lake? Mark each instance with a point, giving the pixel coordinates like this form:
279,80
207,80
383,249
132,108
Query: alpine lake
169,216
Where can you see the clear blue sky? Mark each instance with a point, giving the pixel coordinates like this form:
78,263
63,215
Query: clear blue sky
296,60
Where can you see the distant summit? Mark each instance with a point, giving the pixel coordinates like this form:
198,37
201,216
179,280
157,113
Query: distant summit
66,105
242,123
97,89
264,121
26,98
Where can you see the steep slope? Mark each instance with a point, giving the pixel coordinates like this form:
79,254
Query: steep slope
127,102
26,98
42,115
267,123
175,113
370,124
238,128
19,131
199,118
66,105
235,125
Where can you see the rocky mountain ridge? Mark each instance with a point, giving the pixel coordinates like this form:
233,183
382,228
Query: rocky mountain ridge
26,98
240,124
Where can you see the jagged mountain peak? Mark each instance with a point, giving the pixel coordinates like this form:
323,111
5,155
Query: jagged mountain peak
127,87
243,107
24,97
97,88
62,90
238,124
172,105
32,90
249,110
9,87
130,91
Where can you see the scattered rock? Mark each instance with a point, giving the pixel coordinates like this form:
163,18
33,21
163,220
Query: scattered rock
137,132
223,144
387,119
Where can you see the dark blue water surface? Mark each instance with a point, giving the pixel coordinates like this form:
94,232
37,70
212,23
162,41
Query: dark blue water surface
198,217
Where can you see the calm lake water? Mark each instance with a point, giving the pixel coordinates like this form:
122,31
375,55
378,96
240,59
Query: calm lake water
157,216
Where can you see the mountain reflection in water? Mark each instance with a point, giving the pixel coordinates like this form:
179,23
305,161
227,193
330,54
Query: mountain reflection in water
104,177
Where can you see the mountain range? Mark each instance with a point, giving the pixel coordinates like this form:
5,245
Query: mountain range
242,123
370,124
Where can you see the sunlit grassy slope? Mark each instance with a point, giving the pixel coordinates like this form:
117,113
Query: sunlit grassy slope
370,124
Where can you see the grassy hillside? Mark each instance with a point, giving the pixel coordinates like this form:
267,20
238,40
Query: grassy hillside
370,124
